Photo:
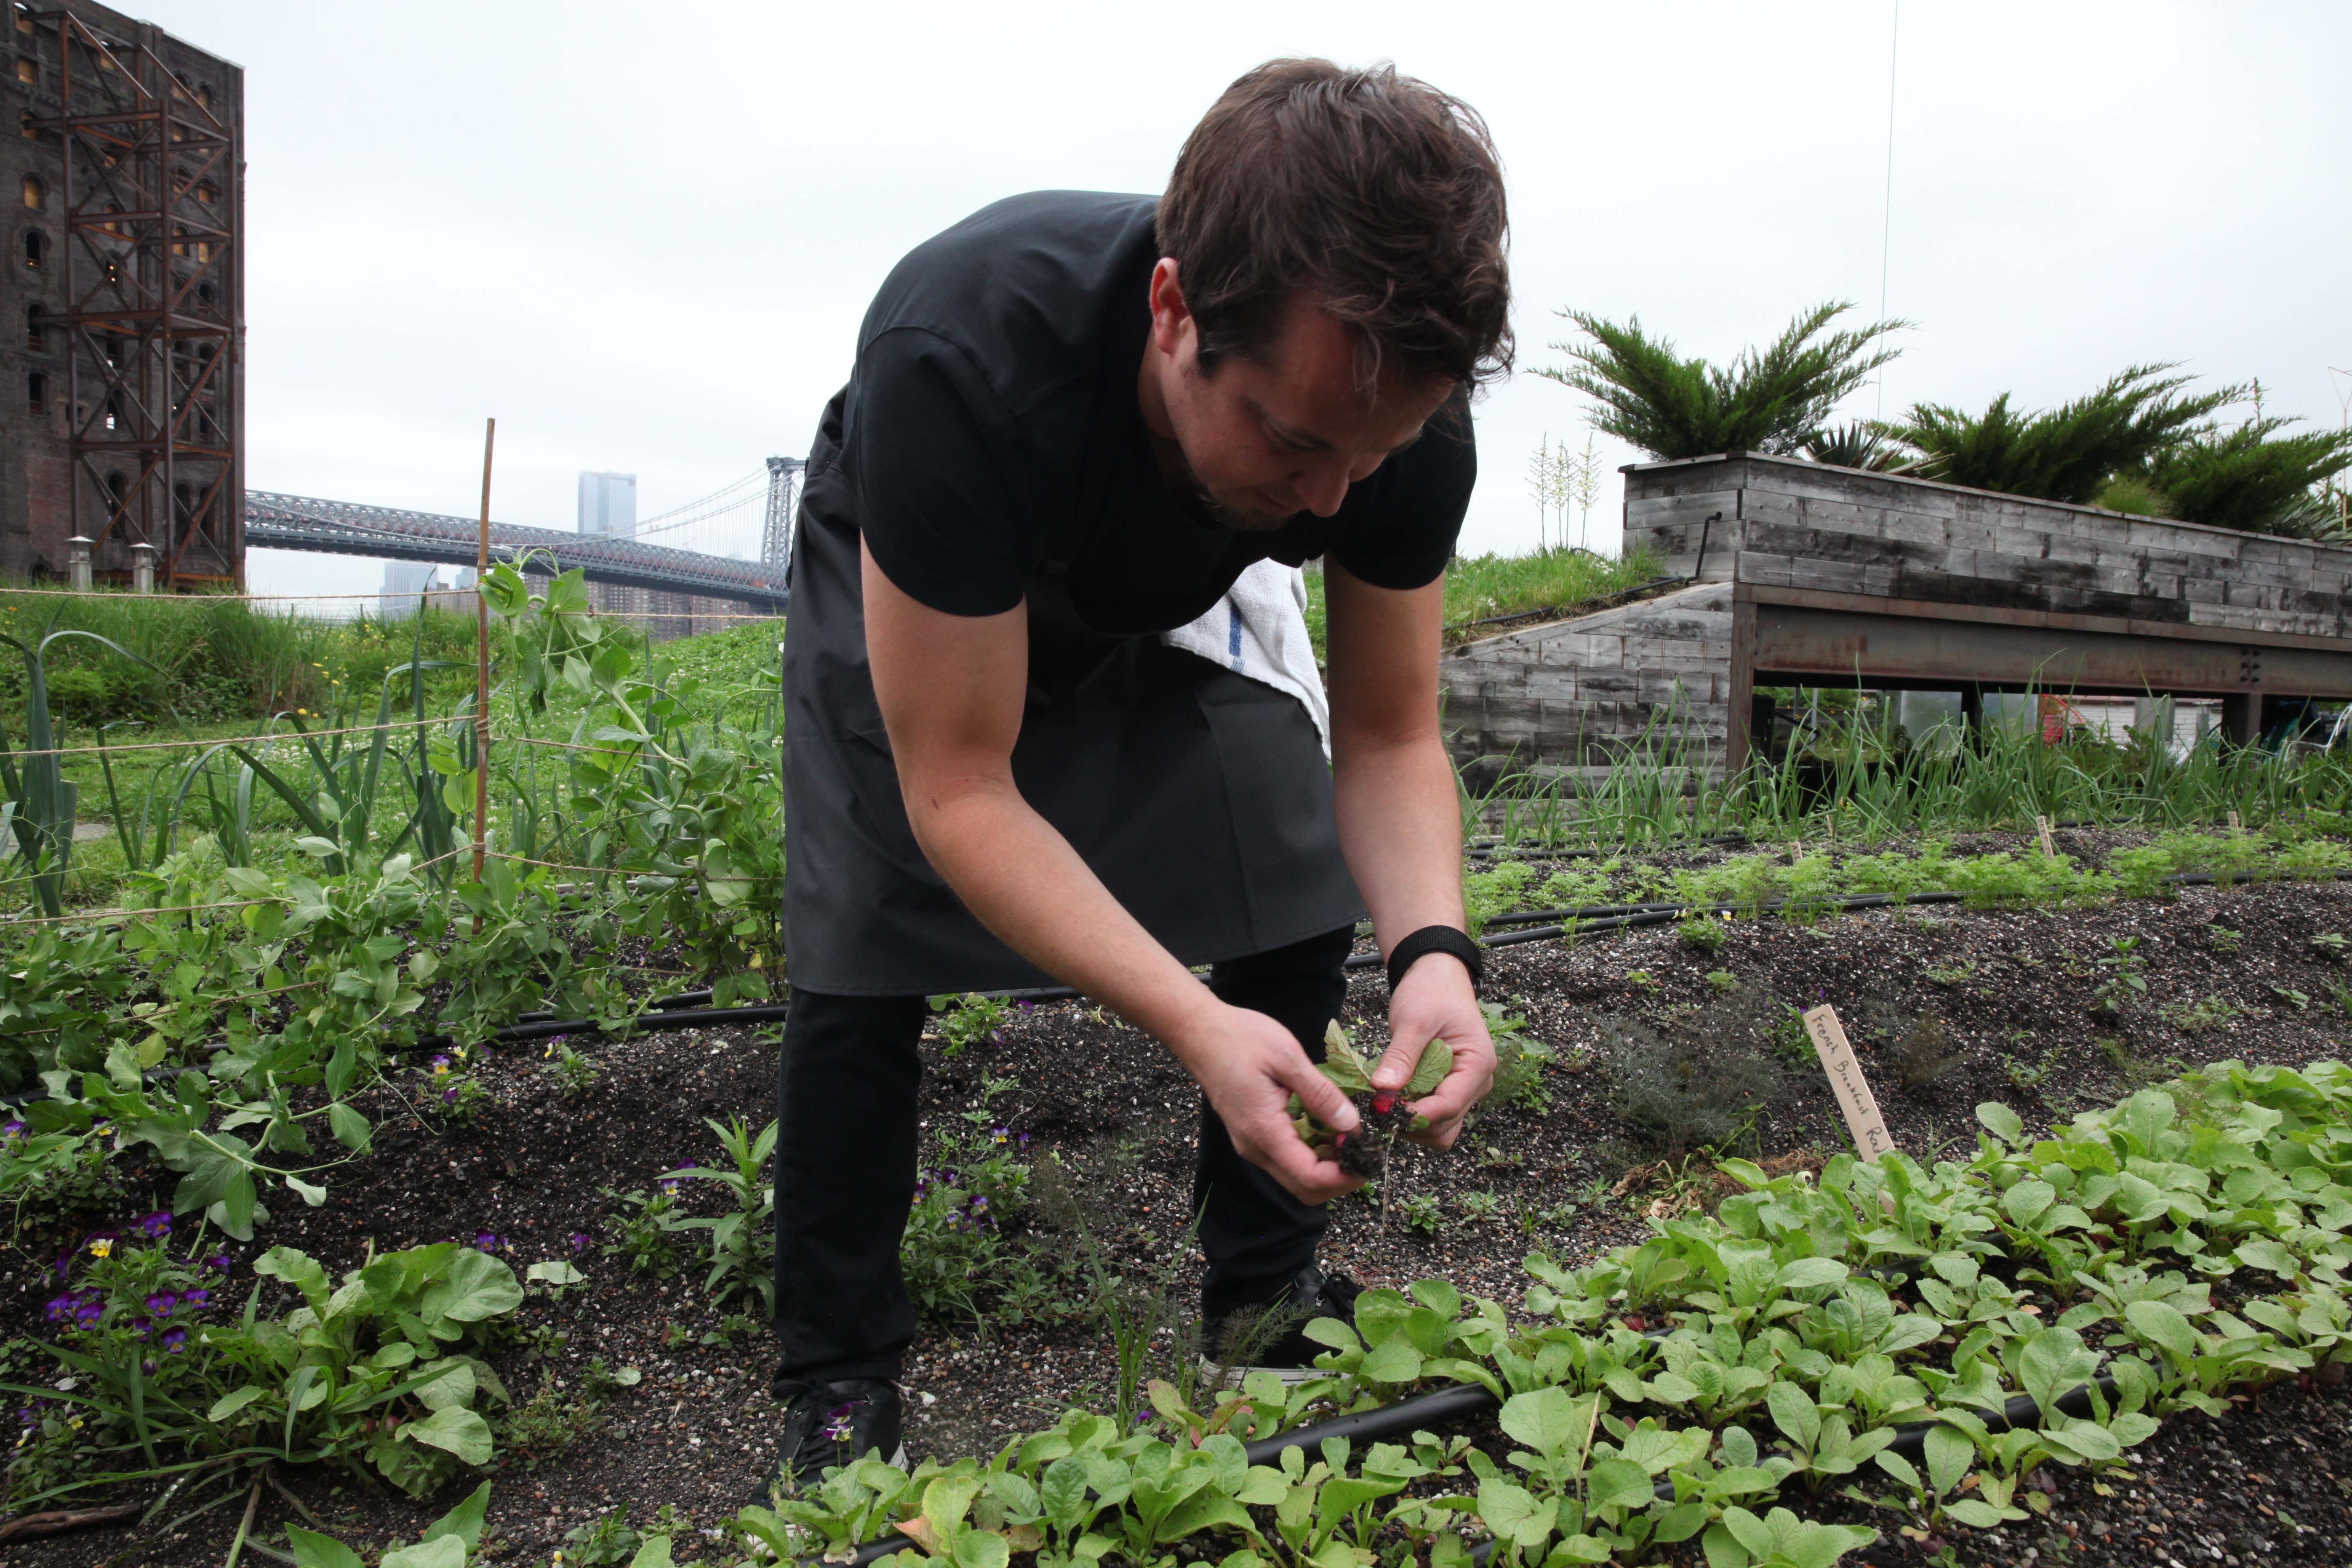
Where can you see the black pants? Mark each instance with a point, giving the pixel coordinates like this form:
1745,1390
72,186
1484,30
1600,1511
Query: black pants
845,1166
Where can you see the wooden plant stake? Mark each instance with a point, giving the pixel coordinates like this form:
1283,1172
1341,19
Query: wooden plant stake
2048,844
2233,822
1853,1096
482,669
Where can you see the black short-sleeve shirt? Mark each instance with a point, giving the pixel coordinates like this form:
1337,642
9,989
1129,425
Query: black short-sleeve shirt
991,427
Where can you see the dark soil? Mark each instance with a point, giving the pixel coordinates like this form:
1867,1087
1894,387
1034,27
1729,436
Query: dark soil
2013,991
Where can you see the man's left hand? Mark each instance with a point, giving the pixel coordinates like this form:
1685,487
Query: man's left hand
1435,1002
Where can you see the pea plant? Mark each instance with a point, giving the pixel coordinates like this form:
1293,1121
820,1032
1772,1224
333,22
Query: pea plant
262,981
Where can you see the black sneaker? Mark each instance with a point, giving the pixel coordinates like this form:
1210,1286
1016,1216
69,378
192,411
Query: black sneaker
1272,1336
831,1424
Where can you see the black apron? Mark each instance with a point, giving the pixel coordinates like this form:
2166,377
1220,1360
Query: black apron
1200,797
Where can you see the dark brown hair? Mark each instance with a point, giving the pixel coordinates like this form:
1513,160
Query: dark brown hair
1376,191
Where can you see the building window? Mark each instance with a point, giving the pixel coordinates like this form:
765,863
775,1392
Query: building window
35,337
207,192
36,391
205,96
25,128
36,195
28,70
36,247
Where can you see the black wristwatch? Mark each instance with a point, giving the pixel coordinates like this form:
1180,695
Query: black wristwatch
1437,938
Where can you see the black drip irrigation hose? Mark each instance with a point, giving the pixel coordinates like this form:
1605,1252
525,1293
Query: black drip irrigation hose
1710,841
677,1013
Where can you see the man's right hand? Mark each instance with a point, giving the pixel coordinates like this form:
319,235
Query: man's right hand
1249,1067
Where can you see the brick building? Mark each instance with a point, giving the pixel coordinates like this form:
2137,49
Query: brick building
121,298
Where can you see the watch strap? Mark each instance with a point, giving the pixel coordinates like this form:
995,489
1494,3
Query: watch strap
1437,938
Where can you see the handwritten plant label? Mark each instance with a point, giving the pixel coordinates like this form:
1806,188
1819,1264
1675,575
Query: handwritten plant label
2048,844
1853,1096
2233,822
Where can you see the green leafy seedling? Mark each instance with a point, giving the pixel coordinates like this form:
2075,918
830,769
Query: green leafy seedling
1386,1113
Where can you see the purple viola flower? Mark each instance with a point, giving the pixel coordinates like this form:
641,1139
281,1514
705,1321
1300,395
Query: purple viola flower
88,1311
60,1308
837,1423
12,1130
1027,1006
439,1064
162,1303
218,1261
156,1225
487,1242
669,1183
449,1096
579,1241
175,1340
194,1297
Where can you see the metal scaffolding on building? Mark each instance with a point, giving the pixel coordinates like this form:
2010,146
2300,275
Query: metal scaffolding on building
153,292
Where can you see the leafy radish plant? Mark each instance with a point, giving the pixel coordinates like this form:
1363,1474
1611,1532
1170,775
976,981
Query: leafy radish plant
1364,1152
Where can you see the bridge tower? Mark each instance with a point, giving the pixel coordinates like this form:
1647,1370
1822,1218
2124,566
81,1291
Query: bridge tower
126,282
785,475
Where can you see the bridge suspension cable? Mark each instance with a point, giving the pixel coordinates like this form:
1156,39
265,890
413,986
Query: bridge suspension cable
747,491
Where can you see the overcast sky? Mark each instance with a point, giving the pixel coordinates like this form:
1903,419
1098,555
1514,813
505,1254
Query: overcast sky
642,235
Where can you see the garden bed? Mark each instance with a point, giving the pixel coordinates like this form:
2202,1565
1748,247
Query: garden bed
2013,993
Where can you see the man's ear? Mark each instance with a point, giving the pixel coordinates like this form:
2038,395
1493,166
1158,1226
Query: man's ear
1172,329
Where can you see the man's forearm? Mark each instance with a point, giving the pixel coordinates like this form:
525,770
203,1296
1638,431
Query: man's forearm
1400,829
1020,877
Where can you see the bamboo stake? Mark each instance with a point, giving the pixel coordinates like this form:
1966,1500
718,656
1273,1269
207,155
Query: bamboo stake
482,667
236,1547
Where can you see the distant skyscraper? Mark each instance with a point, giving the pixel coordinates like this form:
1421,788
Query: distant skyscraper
403,581
407,582
608,503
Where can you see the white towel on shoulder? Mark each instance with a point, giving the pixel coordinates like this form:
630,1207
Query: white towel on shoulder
1259,630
